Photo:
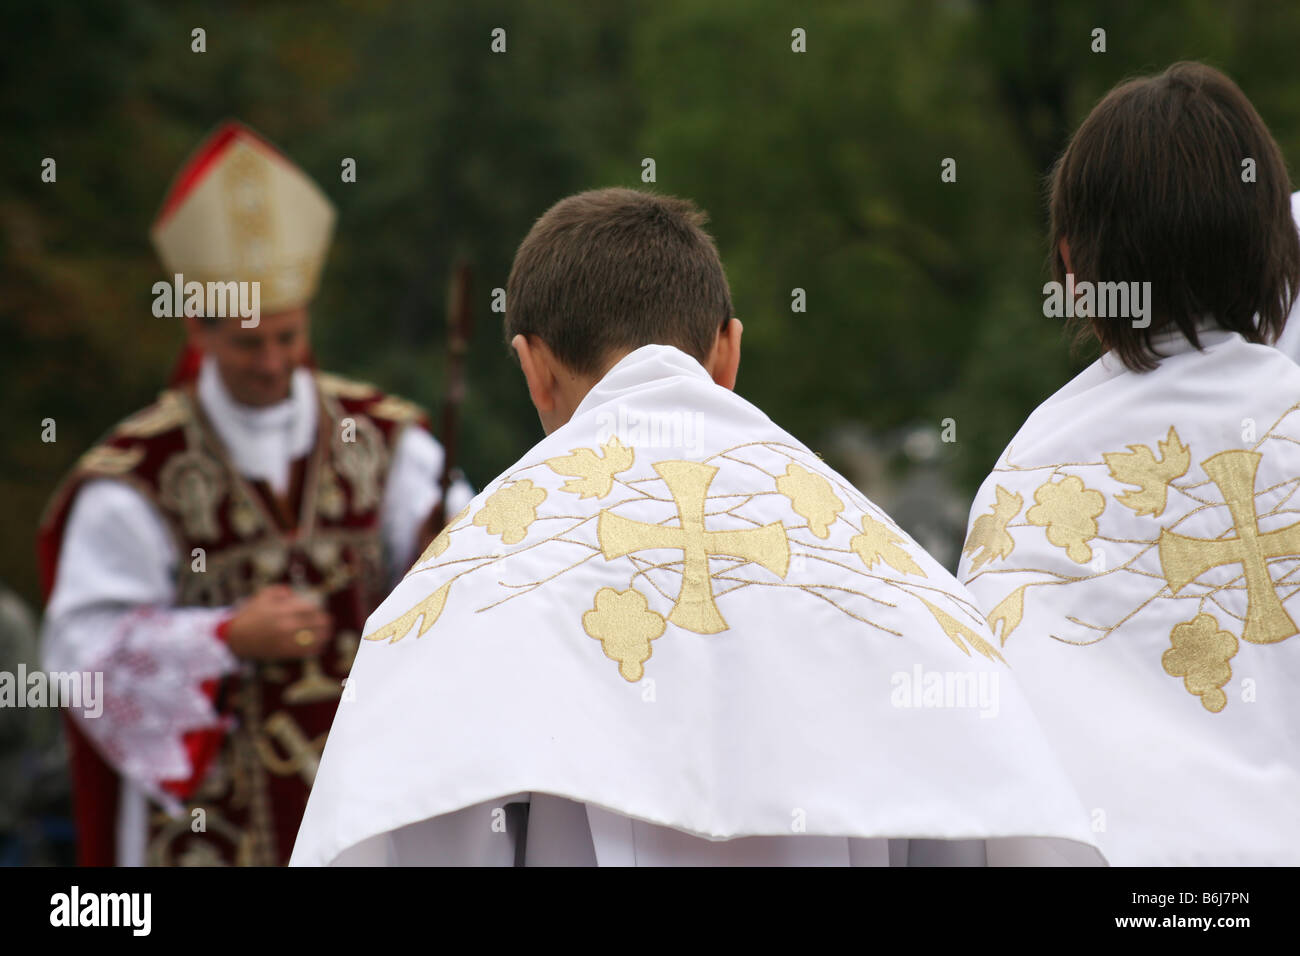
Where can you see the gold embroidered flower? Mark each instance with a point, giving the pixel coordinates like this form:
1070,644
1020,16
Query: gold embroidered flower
1200,655
510,509
811,497
624,624
1068,510
988,534
878,543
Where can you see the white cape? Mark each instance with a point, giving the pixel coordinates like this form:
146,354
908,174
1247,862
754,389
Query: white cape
1289,341
1137,550
672,610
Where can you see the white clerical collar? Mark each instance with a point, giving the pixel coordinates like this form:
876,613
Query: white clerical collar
1171,341
649,363
261,441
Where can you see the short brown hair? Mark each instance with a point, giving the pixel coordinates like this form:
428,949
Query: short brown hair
613,270
1151,188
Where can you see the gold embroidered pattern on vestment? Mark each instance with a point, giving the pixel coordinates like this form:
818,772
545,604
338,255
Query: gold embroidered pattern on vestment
1200,648
811,497
592,475
624,624
442,540
1138,466
109,461
426,613
703,555
361,458
1183,559
878,543
192,484
170,411
1068,510
1200,655
510,510
688,483
988,534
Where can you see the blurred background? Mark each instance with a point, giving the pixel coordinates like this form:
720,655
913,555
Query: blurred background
820,171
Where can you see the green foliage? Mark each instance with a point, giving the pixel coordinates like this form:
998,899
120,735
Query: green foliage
821,171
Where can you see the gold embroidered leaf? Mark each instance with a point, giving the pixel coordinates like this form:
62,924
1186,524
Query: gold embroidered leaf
989,535
878,542
1199,654
510,509
1068,510
592,476
1008,613
624,624
1138,466
442,540
811,497
429,609
961,635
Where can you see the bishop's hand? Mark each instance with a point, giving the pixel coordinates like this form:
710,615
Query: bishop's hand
278,622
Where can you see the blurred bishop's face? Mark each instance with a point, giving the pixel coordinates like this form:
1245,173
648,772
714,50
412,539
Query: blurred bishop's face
257,364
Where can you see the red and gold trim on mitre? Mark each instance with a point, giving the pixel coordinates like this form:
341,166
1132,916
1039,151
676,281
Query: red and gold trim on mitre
240,210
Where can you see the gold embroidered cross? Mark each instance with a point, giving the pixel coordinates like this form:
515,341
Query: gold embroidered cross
688,482
1183,559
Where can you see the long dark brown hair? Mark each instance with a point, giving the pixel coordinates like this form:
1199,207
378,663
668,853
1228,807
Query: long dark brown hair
1155,187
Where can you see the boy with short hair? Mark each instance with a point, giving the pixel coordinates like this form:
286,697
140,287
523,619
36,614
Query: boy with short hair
669,627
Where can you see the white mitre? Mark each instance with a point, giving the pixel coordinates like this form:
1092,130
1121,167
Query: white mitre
673,610
239,210
1137,549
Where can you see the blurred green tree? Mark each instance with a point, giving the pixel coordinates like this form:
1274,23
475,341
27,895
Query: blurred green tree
821,171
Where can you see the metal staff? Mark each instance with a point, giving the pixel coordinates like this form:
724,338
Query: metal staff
460,318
